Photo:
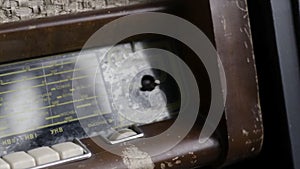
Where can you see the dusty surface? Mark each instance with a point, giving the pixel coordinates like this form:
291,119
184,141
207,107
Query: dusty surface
133,158
15,10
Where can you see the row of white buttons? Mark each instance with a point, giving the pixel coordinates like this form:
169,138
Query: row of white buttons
40,156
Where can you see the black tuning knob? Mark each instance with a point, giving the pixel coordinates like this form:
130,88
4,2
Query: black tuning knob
148,83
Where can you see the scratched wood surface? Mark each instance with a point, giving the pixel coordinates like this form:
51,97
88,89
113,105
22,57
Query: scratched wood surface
234,44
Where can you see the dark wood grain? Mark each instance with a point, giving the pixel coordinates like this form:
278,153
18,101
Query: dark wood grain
234,45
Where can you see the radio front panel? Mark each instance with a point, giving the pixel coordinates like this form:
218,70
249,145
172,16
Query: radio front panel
38,107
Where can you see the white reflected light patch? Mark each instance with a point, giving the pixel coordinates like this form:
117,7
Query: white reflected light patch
23,107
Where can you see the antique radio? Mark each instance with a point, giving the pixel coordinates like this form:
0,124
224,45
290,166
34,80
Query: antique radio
72,99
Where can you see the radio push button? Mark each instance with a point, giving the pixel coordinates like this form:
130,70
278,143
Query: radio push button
68,150
44,155
4,165
19,160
